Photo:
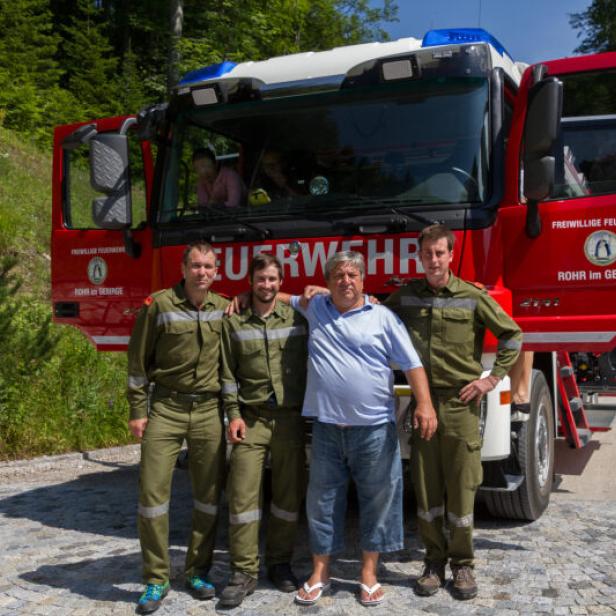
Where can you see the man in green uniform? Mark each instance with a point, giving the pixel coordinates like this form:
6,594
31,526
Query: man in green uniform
174,394
447,318
264,351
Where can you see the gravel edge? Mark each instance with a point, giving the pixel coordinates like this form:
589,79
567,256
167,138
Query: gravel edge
76,462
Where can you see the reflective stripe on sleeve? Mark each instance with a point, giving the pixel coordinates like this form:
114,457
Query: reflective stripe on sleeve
286,332
229,388
246,517
137,382
460,522
153,512
514,345
281,514
432,514
205,507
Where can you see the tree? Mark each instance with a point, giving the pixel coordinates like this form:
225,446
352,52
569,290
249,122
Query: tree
89,60
73,60
256,29
175,31
596,26
29,72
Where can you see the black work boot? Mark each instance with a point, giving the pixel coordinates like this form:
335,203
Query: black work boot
431,579
239,587
282,577
464,585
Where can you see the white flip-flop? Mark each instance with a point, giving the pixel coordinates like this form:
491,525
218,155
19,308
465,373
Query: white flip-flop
320,586
370,590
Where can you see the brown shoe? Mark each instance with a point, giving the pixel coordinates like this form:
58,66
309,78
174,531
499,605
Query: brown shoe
464,585
239,587
432,578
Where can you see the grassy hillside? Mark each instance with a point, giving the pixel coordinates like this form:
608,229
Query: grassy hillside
57,393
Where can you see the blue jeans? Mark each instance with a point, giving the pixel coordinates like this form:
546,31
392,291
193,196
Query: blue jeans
370,455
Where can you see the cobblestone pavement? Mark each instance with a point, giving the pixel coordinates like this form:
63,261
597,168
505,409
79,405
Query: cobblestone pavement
69,546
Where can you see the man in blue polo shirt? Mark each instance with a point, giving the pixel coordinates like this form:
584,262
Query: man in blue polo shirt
349,394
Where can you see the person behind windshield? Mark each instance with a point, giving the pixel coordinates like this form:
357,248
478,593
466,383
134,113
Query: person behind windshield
216,184
274,178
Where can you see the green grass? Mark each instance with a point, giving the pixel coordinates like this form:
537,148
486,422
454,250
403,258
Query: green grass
57,393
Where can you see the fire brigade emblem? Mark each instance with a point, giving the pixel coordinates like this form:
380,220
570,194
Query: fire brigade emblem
97,270
600,247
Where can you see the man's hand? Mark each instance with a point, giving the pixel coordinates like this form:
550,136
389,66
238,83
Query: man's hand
137,426
424,420
236,432
312,289
309,292
477,389
238,303
424,416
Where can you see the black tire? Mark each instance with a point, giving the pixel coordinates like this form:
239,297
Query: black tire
535,460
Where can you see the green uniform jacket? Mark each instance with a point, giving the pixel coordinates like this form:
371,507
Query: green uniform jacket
261,357
447,328
175,345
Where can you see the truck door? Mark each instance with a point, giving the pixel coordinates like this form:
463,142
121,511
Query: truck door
562,267
101,247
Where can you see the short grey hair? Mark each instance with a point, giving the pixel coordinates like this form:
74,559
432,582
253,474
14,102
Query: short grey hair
355,259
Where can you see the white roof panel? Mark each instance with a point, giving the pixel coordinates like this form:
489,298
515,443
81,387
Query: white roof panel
315,64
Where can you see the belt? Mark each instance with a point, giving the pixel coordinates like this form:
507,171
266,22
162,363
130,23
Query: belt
202,396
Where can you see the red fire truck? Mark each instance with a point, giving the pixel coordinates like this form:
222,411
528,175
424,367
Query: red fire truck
359,148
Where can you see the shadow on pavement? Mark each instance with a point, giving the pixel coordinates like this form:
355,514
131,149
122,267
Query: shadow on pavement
97,579
102,503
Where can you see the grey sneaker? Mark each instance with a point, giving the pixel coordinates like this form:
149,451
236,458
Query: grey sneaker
464,585
432,578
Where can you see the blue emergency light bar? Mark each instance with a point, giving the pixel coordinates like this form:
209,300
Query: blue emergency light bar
460,36
207,72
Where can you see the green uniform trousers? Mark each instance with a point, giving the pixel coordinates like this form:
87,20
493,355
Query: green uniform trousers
169,423
279,432
446,472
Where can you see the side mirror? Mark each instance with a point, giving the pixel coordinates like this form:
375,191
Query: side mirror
150,120
109,174
541,132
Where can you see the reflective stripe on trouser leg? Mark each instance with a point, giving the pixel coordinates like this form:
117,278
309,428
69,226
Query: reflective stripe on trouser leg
206,464
244,495
288,464
463,474
160,446
429,486
460,450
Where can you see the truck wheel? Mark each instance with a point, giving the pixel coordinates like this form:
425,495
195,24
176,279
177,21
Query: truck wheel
535,460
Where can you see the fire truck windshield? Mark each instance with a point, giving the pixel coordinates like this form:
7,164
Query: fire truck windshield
421,144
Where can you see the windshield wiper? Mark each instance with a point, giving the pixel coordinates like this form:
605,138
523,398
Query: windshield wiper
414,216
232,224
390,221
338,208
